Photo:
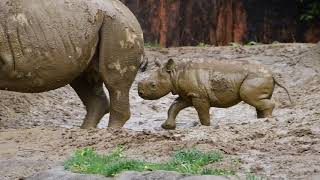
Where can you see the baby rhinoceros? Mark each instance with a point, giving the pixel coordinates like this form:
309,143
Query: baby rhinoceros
214,83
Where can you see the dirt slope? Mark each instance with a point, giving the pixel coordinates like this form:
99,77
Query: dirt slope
34,134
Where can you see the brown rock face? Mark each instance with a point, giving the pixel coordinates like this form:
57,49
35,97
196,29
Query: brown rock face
219,22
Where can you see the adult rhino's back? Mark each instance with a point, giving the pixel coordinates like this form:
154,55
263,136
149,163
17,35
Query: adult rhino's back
44,44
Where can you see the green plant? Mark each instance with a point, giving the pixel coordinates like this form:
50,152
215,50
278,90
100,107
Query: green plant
201,44
311,10
185,161
234,44
252,43
152,45
251,176
192,161
88,161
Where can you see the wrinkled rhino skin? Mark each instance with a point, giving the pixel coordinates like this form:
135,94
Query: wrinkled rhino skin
205,84
47,44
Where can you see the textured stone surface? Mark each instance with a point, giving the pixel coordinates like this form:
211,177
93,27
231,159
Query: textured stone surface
61,174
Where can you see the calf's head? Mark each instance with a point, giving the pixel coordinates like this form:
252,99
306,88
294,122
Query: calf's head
159,83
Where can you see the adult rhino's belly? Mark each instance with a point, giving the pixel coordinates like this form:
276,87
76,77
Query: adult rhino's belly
40,50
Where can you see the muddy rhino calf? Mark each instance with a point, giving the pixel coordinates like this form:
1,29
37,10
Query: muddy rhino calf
206,84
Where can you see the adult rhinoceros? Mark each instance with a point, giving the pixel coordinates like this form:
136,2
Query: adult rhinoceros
47,44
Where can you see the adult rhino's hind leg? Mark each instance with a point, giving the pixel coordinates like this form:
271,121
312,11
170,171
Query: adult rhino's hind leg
90,90
121,49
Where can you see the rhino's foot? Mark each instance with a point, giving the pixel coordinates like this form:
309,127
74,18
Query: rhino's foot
116,124
88,126
168,126
205,123
267,109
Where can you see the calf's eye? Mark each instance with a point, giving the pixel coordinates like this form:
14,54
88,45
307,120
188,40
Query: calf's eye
153,85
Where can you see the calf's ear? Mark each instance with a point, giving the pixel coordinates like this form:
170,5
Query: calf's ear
170,65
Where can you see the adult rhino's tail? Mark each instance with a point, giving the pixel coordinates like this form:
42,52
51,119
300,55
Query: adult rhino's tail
283,87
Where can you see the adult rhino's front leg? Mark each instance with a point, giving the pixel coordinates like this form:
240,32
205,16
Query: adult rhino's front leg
121,50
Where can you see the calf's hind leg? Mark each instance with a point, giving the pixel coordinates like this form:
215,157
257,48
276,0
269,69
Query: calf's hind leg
93,97
257,92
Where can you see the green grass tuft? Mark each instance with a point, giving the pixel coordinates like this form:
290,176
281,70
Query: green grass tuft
152,45
196,157
201,44
184,161
252,43
251,176
235,44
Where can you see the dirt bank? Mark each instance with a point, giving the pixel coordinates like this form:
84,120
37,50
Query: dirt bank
34,132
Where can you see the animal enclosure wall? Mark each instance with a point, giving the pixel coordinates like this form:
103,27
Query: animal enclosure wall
219,22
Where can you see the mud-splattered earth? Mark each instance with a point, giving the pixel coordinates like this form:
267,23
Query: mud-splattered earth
38,131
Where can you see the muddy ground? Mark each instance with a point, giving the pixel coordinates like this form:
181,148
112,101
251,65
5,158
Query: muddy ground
38,131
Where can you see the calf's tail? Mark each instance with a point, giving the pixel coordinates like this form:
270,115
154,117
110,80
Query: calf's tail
283,87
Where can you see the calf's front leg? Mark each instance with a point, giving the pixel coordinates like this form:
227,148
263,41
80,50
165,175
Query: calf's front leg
173,111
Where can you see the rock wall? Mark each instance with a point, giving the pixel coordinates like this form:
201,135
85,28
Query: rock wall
219,22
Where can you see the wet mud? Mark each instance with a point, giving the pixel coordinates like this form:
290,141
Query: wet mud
38,131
